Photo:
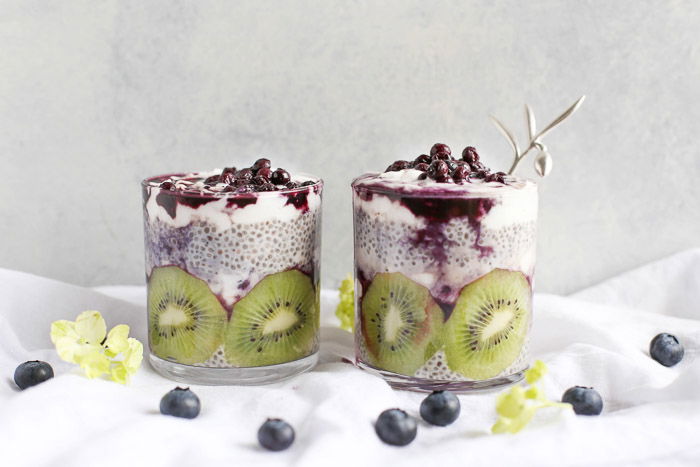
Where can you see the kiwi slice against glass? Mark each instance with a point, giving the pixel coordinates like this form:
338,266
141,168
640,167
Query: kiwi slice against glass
487,329
276,322
186,321
400,322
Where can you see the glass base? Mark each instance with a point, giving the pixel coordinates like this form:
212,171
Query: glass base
411,383
232,376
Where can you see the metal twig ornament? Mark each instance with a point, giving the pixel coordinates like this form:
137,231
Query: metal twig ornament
543,160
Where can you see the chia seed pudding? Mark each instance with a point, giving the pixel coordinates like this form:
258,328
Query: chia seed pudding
444,264
233,271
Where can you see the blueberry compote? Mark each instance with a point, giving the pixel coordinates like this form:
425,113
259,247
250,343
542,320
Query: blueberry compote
232,264
444,262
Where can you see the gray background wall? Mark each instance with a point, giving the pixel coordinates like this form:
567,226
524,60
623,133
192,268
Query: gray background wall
96,95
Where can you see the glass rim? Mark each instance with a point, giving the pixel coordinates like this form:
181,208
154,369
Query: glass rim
489,191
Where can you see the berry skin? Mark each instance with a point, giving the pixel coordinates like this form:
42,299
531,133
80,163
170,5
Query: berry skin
444,179
470,155
180,402
280,177
261,163
167,186
398,165
292,185
666,349
308,183
440,408
243,174
275,434
460,173
228,175
265,172
439,148
396,427
437,168
32,373
213,180
495,177
258,180
422,166
423,159
585,401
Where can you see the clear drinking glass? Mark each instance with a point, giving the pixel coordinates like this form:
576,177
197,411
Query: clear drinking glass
443,282
233,282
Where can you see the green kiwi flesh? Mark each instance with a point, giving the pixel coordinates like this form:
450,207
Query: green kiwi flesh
276,322
400,323
186,321
488,326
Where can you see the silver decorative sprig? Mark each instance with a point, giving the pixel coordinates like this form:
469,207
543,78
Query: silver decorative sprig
543,161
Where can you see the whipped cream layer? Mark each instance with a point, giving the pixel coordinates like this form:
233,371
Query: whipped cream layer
442,235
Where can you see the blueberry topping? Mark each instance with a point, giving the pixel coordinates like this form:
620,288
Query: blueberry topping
228,175
666,349
422,166
451,165
460,173
167,186
244,174
292,185
275,434
261,163
265,172
266,187
396,427
439,148
213,180
258,180
398,165
423,159
229,189
437,168
444,179
308,183
440,408
32,373
280,177
495,177
585,401
470,155
180,402
245,189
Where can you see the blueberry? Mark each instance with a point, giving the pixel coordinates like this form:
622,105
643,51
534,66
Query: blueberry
437,168
265,172
32,373
213,180
439,148
228,175
470,155
585,401
243,174
167,186
460,173
398,165
440,408
423,159
444,179
396,427
308,183
422,166
180,402
261,164
275,434
495,177
280,177
292,185
665,349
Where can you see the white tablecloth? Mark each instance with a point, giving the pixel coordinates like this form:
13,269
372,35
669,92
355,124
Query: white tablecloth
598,337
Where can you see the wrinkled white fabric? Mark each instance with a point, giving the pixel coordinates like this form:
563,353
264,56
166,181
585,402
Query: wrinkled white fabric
598,337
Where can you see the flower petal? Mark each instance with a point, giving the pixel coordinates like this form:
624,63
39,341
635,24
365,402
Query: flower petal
133,355
63,329
119,373
95,363
116,342
91,327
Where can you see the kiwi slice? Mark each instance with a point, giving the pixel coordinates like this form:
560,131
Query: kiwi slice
400,323
186,322
488,326
276,322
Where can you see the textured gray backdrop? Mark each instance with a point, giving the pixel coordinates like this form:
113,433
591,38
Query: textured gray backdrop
95,96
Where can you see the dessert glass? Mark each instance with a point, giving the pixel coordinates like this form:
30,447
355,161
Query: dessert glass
443,279
233,279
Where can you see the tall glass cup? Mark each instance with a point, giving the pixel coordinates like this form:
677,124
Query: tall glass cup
233,282
443,281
